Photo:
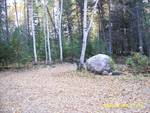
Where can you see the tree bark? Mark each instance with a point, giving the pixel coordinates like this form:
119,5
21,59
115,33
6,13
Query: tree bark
110,30
84,43
86,30
60,31
139,29
16,12
53,23
45,38
6,22
48,34
33,34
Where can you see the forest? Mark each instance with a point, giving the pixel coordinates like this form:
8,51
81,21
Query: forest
54,30
74,40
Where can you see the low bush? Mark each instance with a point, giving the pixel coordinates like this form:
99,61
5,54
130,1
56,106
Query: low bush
112,64
137,61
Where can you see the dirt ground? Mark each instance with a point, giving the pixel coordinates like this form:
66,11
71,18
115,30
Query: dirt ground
61,89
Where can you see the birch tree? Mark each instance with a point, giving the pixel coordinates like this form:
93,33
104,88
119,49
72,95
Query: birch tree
33,34
16,13
58,10
6,21
27,18
60,31
47,31
110,29
86,30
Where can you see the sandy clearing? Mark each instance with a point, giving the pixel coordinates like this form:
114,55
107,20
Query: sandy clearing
62,89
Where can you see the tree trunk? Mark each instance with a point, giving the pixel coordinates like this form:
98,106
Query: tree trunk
84,43
139,29
60,31
33,34
86,30
45,37
48,34
110,30
17,20
46,54
53,23
6,22
28,19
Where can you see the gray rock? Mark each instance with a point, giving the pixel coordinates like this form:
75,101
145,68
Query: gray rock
105,73
98,64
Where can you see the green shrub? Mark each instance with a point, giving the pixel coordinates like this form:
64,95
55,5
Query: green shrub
129,61
71,47
112,64
6,53
137,61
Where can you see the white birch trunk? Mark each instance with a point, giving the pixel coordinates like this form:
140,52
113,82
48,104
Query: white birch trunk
110,29
6,21
33,33
16,12
84,43
60,31
48,34
86,30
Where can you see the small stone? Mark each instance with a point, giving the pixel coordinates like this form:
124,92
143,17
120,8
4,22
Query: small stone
105,73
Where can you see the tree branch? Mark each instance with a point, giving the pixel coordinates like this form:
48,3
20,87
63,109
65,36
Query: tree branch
53,23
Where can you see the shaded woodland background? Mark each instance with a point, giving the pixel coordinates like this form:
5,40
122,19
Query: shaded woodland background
52,30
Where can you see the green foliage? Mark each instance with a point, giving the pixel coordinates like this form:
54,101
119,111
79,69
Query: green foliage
40,43
6,53
95,46
129,61
112,64
71,47
54,49
137,61
20,48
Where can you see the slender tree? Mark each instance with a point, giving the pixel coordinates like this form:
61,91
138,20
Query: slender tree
48,31
86,30
16,12
33,33
60,31
53,23
6,21
138,12
110,29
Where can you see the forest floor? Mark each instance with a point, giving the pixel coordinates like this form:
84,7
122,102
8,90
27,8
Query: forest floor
62,89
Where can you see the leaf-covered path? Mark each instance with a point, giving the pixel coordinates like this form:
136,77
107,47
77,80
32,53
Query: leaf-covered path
61,89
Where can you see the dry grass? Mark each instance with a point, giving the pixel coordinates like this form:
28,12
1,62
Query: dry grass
62,89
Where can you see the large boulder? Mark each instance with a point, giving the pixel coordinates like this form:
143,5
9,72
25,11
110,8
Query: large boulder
100,64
